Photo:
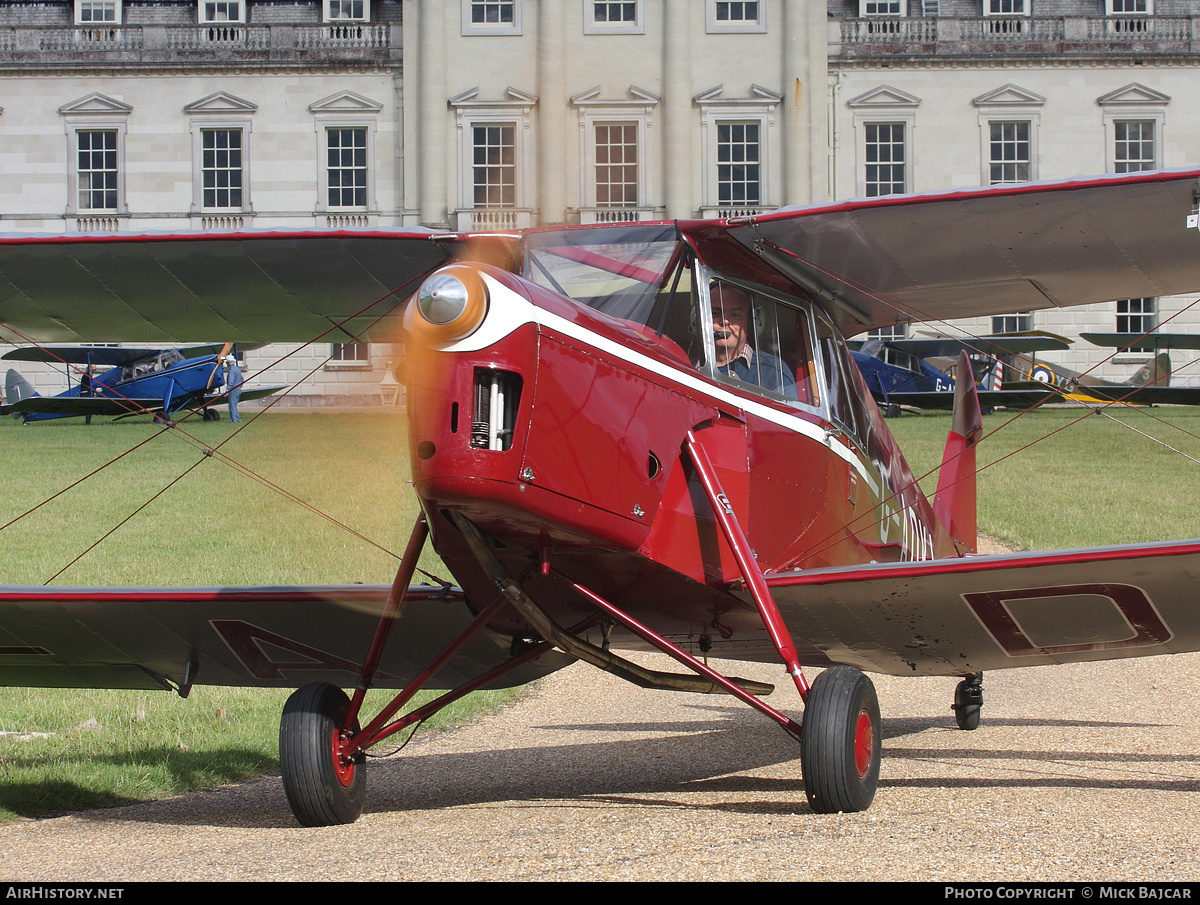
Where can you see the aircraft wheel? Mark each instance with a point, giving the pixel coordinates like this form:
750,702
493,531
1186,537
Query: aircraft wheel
841,741
968,702
321,789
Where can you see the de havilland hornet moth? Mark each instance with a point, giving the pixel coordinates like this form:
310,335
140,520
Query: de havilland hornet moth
644,436
138,381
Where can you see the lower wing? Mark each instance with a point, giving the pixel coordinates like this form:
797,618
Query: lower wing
272,637
960,616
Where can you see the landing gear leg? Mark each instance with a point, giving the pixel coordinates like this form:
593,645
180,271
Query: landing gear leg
323,785
968,701
841,742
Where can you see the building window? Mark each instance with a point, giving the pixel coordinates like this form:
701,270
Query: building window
492,11
494,169
1134,146
609,18
616,165
1011,157
221,169
1137,316
736,11
347,11
1129,7
887,334
881,7
97,12
491,17
885,159
346,167
739,164
614,12
97,171
1006,8
1012,323
736,16
222,11
350,353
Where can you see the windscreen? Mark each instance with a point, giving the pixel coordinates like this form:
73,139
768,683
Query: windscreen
618,270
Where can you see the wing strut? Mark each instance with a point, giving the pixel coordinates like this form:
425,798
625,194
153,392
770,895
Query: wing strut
742,552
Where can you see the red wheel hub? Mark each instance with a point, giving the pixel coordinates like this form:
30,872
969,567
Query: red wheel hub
864,743
343,767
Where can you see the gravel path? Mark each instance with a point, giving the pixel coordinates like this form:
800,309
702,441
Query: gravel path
1086,772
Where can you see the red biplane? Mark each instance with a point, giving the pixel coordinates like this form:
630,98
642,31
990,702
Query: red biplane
642,436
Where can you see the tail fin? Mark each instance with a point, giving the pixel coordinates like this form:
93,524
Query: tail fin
1157,373
17,388
954,503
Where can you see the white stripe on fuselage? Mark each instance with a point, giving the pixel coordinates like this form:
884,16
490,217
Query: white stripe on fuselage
516,311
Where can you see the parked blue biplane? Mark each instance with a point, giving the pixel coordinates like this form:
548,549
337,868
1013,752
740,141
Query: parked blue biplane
138,381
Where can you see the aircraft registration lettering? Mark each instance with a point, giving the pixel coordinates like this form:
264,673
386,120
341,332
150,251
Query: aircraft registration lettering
916,540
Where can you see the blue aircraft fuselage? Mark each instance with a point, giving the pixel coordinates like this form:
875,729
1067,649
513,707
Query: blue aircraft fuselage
168,378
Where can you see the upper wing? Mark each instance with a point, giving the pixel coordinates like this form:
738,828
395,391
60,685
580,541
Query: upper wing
1160,341
252,286
988,251
948,346
97,355
960,616
280,637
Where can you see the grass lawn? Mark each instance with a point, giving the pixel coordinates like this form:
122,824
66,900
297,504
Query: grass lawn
74,748
1094,482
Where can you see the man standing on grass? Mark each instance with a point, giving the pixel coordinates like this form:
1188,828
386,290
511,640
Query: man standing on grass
233,382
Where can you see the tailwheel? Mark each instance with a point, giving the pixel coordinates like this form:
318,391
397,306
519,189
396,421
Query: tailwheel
323,787
841,742
968,702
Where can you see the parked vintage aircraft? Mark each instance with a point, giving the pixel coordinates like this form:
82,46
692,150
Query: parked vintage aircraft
1008,373
138,381
899,372
648,436
1149,385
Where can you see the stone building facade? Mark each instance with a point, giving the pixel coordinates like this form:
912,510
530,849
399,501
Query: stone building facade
201,114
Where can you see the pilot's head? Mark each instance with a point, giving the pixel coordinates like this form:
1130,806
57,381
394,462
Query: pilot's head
731,320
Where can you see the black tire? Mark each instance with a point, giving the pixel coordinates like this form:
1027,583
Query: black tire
841,742
968,705
320,789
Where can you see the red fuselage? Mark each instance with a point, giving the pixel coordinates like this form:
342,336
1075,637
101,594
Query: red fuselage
558,430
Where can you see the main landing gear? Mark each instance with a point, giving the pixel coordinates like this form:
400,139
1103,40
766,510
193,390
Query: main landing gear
324,786
322,745
841,742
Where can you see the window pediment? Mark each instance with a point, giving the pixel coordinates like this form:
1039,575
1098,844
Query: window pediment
345,102
636,97
884,97
96,104
757,95
1009,96
512,97
1134,95
220,102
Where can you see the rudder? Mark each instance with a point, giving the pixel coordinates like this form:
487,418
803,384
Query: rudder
954,503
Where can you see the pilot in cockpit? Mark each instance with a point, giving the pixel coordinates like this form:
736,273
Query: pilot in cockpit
735,356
